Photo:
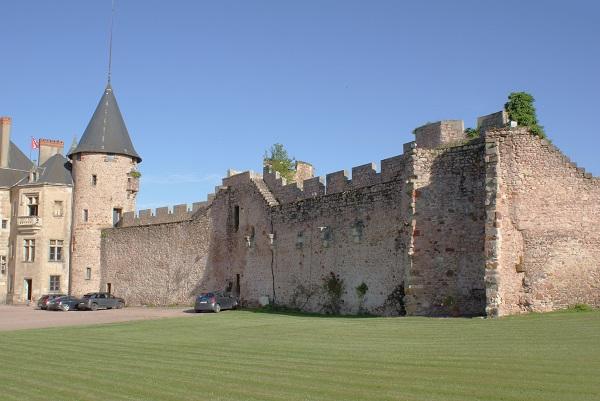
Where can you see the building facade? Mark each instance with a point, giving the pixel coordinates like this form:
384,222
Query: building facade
52,210
499,224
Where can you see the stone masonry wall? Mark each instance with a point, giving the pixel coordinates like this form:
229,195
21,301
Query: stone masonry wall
447,276
161,264
542,237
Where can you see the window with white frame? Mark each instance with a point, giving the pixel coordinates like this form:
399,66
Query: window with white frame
28,250
54,283
32,204
56,250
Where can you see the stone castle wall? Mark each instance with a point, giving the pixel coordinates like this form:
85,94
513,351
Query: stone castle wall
499,224
446,275
542,229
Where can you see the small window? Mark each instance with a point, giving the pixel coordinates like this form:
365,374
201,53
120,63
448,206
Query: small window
54,283
58,209
4,223
88,273
56,250
85,215
28,250
32,205
117,212
94,180
2,264
110,157
236,218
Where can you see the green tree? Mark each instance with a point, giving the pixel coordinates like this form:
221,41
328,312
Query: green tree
279,160
520,108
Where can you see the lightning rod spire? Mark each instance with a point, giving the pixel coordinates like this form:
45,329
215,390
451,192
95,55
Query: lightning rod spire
112,20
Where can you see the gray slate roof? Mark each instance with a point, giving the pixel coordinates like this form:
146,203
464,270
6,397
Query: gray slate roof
56,170
106,131
18,167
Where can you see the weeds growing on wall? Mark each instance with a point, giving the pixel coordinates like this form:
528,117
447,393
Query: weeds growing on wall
520,108
361,292
135,174
472,133
334,287
396,300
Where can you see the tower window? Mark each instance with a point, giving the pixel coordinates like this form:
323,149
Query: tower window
85,215
3,264
117,212
88,273
110,157
94,179
4,223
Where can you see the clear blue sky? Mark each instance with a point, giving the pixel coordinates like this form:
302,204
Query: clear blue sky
205,86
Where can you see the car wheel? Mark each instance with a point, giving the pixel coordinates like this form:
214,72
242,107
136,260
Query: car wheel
217,308
119,305
66,308
94,307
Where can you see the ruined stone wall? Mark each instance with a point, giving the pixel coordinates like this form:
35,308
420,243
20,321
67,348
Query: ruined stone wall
543,242
446,275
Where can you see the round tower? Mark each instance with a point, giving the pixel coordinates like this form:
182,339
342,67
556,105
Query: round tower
104,169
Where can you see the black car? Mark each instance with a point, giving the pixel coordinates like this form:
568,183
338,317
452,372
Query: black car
215,301
100,300
65,303
43,301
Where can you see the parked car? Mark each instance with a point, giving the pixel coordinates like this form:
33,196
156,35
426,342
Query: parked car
65,303
43,301
100,300
215,301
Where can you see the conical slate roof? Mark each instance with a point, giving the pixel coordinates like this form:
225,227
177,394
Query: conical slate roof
106,131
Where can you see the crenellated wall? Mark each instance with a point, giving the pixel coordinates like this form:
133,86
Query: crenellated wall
499,224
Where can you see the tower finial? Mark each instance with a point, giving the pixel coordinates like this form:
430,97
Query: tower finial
112,19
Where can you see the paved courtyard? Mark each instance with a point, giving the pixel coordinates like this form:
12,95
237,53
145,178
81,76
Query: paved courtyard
27,317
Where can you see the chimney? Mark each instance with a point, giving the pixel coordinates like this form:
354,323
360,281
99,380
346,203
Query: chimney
5,123
49,148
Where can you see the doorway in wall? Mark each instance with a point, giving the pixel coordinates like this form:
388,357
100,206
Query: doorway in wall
237,285
27,288
108,287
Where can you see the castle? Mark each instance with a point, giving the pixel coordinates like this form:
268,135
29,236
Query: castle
52,212
495,225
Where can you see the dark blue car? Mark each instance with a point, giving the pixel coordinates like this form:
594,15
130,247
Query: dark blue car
65,303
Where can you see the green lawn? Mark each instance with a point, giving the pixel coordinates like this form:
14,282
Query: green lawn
243,355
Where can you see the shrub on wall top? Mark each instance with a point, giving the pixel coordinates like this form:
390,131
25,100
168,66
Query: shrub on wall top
520,108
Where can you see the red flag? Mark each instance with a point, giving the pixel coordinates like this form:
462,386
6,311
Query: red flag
34,143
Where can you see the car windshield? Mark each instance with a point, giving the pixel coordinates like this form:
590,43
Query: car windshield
206,296
88,295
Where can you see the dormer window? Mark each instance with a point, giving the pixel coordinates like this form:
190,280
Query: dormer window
33,176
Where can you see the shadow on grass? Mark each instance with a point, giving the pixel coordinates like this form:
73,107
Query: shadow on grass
281,310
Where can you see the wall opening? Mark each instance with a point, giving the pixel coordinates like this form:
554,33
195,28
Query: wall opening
236,218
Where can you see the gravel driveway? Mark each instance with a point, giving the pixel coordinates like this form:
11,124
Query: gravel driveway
27,317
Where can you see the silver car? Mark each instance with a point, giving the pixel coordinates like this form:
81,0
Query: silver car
215,301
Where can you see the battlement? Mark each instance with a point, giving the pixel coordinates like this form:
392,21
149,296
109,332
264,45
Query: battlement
165,214
444,132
